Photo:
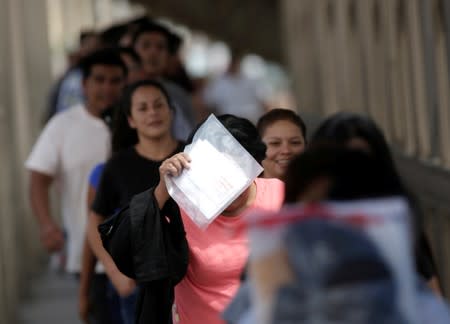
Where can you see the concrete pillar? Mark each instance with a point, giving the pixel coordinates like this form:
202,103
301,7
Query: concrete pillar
406,105
399,60
429,50
378,66
8,266
67,18
300,28
354,56
340,53
30,84
327,24
420,111
24,66
443,83
381,104
76,15
373,44
393,72
103,14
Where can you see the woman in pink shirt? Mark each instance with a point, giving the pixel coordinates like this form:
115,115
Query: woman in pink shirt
217,258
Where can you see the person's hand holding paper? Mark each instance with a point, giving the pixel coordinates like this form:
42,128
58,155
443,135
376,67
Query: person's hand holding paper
214,170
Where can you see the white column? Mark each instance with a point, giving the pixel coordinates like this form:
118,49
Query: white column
24,67
421,119
300,41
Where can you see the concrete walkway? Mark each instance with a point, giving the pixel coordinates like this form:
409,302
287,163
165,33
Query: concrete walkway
52,300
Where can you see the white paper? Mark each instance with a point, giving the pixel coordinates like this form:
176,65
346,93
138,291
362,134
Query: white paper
212,181
221,169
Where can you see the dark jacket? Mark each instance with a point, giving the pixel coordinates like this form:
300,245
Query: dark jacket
149,245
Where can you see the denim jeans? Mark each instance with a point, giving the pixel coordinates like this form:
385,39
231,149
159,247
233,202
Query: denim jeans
122,309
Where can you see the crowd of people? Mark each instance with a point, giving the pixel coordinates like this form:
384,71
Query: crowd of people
119,120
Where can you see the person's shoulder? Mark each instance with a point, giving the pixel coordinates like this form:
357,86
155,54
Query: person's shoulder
121,157
270,188
269,194
95,175
116,164
98,169
46,153
74,74
62,120
270,182
75,111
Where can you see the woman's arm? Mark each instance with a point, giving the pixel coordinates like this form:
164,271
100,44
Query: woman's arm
88,262
123,284
87,271
425,263
434,285
173,166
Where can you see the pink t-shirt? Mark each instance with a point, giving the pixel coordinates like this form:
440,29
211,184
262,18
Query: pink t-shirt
216,260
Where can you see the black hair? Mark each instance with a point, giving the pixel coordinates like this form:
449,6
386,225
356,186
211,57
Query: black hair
85,34
278,114
123,135
343,127
129,91
173,40
244,132
130,52
140,20
107,56
112,35
353,174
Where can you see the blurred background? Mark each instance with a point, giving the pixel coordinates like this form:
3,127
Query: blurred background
389,59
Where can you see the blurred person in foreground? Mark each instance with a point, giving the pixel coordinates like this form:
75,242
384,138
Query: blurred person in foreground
360,132
307,266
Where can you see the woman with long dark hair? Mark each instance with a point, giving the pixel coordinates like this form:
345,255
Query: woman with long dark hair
360,132
141,140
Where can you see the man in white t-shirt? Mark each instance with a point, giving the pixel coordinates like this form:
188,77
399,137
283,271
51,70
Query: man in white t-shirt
70,145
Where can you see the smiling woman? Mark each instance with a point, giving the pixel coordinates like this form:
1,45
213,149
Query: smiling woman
284,133
142,138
